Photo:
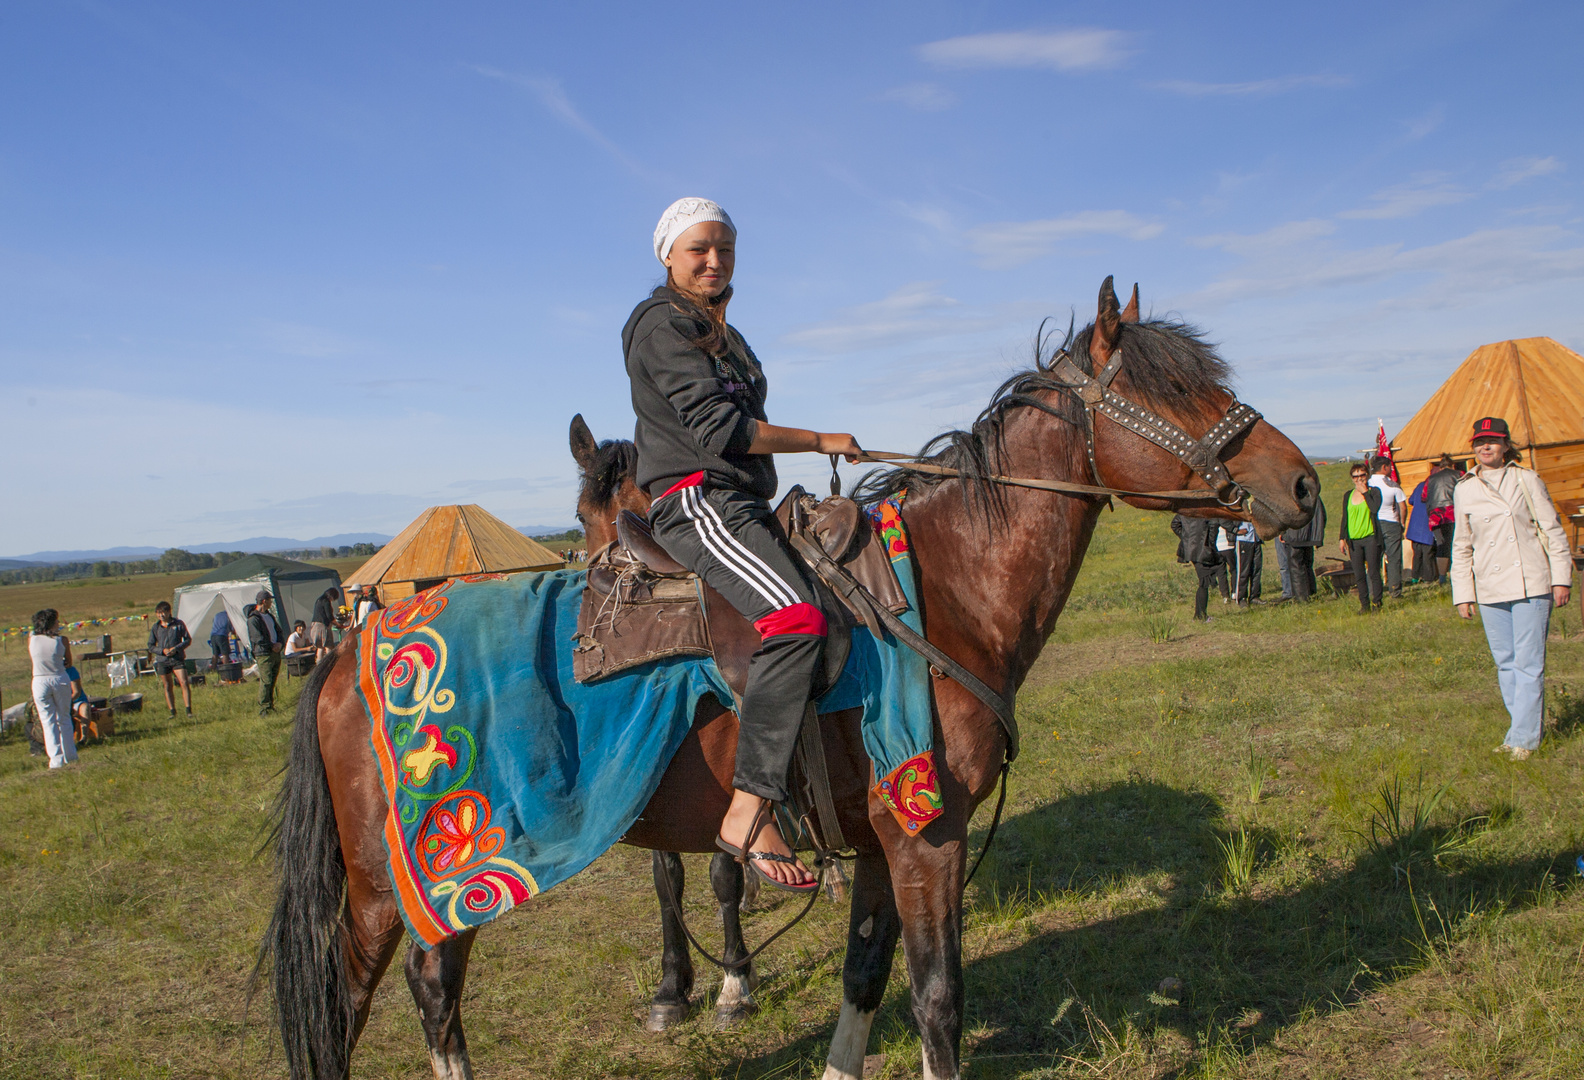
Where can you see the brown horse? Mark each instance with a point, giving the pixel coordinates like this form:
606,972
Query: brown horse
995,566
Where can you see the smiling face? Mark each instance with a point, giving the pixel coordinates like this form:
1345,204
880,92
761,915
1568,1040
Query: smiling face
702,259
1489,452
1360,480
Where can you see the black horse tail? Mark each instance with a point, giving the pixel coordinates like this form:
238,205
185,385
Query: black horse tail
305,938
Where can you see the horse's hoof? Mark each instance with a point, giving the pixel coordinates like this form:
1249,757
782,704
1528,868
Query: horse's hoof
729,1016
663,1017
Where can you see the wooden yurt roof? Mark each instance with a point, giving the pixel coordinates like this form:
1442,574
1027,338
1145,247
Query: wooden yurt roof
1536,384
448,541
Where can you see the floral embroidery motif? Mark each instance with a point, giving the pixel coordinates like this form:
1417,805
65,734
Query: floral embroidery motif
419,763
889,526
911,792
455,835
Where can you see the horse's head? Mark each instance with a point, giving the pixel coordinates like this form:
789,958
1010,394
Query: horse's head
607,484
1167,368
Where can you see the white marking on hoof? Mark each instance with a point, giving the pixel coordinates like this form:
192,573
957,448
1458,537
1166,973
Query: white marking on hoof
846,1058
450,1066
931,1074
736,990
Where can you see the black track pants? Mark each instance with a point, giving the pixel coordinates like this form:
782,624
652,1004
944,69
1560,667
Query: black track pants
733,541
1365,557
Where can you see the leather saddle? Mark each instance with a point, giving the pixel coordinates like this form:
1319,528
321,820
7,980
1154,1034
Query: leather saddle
641,605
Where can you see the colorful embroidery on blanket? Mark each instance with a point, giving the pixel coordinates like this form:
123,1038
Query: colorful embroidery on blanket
911,790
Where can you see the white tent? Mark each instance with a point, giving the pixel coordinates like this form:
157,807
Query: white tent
230,588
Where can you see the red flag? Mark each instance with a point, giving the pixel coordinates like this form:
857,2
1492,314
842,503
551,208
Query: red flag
1383,448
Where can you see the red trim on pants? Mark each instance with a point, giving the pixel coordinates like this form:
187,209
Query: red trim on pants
797,619
686,482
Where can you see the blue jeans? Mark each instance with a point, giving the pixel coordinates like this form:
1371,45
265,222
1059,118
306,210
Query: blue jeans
1516,631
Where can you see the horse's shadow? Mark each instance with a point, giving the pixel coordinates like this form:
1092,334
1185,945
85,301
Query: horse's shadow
1142,868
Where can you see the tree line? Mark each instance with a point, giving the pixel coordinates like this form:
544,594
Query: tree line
173,561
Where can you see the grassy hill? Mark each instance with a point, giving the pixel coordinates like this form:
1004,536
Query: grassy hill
1294,811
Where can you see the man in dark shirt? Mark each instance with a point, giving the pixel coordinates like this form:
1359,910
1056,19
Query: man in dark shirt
326,614
220,637
167,644
267,642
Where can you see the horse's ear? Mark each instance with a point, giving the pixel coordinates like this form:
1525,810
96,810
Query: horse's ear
1130,313
1107,327
583,444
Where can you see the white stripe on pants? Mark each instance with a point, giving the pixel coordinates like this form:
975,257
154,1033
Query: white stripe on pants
731,551
52,697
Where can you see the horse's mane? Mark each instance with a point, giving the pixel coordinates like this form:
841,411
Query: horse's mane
614,461
1164,361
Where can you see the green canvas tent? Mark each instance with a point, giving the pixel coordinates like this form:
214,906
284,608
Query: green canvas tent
230,588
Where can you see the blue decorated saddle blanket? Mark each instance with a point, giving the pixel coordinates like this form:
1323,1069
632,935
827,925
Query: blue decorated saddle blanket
505,776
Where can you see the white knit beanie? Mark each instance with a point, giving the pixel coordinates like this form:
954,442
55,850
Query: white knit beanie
681,216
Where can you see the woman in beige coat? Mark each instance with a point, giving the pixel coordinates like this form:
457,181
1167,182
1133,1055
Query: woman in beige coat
1510,556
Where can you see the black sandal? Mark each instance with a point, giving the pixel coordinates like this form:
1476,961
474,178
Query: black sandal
750,858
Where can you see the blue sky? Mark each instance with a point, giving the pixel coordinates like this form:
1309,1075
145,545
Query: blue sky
306,269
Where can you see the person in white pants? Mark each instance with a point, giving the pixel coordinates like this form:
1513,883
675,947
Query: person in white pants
51,655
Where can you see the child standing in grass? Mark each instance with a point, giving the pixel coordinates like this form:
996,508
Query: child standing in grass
167,641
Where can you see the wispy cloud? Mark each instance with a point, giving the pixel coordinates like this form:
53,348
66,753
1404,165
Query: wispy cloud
1420,126
1516,170
551,95
923,96
915,312
1406,200
1084,49
1013,243
1257,88
1297,258
1282,238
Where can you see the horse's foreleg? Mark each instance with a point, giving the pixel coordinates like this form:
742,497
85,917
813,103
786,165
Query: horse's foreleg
871,946
672,999
928,882
735,1002
435,978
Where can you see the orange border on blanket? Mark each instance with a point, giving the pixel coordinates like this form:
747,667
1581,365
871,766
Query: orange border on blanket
912,792
425,920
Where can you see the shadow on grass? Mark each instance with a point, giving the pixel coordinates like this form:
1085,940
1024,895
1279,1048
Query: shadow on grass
1250,963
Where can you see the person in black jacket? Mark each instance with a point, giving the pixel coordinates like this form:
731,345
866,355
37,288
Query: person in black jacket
1300,544
167,644
1197,545
267,642
1361,540
326,617
704,456
1444,476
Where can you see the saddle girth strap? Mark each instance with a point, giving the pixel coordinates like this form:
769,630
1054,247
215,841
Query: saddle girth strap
811,755
837,577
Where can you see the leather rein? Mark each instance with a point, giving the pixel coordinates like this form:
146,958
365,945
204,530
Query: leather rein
1202,455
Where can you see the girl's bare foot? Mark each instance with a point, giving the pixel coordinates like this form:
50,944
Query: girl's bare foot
745,810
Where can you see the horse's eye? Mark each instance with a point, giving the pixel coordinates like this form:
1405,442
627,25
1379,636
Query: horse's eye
580,520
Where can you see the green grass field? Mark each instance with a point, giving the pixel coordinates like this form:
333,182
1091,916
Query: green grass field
1294,812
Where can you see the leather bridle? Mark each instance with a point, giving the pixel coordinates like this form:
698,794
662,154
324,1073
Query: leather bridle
1202,455
1094,393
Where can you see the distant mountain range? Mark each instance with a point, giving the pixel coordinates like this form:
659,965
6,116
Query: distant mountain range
252,545
532,531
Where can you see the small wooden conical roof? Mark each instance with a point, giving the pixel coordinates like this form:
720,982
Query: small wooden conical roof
1535,384
449,541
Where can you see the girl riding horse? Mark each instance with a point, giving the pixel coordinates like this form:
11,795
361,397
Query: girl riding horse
705,455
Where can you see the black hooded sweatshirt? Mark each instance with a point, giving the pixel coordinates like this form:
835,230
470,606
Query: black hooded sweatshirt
696,412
